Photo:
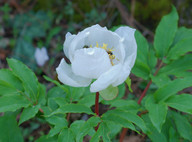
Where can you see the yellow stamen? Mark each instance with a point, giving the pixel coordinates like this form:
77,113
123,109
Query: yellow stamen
108,50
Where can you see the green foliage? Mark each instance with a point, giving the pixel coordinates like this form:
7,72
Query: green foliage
163,40
10,130
157,112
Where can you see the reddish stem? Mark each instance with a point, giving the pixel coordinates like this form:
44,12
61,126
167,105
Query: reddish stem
144,92
97,103
97,108
123,133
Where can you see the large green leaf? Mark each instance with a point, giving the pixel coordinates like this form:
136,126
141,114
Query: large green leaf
13,102
9,130
165,33
183,126
124,122
178,66
73,108
28,113
9,84
131,117
182,34
180,49
181,102
157,112
172,88
66,135
141,67
28,78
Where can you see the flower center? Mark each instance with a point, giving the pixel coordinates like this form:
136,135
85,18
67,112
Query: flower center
108,50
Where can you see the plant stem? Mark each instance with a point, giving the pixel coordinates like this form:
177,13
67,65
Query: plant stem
97,108
123,133
144,92
97,103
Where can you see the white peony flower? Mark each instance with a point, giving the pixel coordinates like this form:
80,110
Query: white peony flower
99,54
41,56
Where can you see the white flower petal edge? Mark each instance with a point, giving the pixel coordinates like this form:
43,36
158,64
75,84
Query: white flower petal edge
70,46
66,76
128,34
106,79
68,39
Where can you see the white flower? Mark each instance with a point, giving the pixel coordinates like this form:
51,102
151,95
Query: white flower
41,56
97,53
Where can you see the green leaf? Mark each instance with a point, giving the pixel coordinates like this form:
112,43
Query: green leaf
76,125
152,59
157,112
128,82
172,88
178,66
66,135
124,122
161,80
183,126
59,124
163,40
173,135
30,82
57,83
28,113
182,34
109,93
88,125
9,84
12,103
44,138
153,134
88,100
141,68
131,117
73,108
42,94
181,48
128,105
103,131
9,130
181,102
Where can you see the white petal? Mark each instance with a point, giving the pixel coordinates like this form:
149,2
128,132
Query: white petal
66,76
79,41
130,45
41,56
68,39
91,62
106,79
128,34
96,34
